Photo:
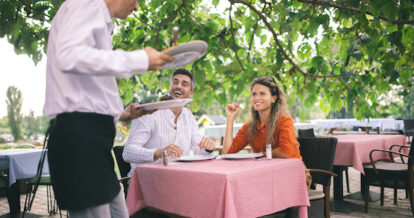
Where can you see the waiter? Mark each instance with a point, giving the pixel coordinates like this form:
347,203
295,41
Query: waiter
82,92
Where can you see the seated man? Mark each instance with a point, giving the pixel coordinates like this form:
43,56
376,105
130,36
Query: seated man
174,130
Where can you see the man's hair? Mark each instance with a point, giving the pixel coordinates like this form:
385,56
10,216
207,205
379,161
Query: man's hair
187,73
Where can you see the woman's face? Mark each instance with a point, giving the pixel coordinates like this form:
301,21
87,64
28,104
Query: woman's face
261,98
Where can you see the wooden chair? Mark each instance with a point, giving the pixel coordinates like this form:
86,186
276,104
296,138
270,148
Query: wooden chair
318,155
390,174
123,167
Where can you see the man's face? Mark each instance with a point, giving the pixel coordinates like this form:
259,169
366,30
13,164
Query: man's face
180,87
125,8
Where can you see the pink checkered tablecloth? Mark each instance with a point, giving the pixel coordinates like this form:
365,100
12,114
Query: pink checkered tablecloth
220,188
353,150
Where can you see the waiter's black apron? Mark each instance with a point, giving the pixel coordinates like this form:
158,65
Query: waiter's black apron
80,160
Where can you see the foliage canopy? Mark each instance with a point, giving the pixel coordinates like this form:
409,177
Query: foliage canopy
337,53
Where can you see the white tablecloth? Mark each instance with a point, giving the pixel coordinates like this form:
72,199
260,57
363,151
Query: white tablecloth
22,163
382,123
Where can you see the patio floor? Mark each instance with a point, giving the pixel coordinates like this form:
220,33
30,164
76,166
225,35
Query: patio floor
344,209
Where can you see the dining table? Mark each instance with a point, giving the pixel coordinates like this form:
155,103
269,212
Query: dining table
353,151
19,164
381,124
220,187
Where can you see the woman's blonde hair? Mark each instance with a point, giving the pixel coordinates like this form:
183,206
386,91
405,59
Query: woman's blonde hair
279,108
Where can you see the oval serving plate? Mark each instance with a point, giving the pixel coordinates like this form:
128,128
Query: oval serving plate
237,156
185,53
195,158
165,104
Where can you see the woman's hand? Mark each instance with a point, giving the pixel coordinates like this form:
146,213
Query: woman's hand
232,110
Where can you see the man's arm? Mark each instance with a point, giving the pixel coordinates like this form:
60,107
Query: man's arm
173,151
135,150
199,143
77,54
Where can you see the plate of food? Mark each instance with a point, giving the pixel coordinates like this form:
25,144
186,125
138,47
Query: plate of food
195,158
185,53
165,104
241,156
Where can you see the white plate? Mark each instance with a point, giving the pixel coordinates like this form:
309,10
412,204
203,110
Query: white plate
185,53
241,156
165,104
195,158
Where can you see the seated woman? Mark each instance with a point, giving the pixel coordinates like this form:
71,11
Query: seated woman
270,123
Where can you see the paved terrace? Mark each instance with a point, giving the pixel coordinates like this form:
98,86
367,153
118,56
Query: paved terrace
347,208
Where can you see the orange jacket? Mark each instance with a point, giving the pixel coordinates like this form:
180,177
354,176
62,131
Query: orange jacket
285,139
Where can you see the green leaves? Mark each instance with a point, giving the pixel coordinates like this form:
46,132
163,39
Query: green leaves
317,21
216,2
304,51
388,67
346,75
322,55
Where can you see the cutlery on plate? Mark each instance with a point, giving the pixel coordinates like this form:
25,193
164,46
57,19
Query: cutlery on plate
174,39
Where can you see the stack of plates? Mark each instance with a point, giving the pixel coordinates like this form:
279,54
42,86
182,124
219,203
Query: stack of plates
165,104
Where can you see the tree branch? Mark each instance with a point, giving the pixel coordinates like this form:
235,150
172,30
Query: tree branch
234,41
278,43
355,10
169,19
31,8
254,31
142,21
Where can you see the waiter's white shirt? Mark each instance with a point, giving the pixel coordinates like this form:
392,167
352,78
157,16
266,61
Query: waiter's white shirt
158,130
81,65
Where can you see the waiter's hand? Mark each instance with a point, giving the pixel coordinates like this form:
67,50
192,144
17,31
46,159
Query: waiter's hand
157,59
206,143
132,112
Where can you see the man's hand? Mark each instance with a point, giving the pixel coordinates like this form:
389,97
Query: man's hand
206,143
132,112
173,151
157,59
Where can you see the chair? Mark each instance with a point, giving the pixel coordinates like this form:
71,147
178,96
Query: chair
51,201
3,181
39,179
409,129
311,133
306,133
33,184
123,167
390,174
318,155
